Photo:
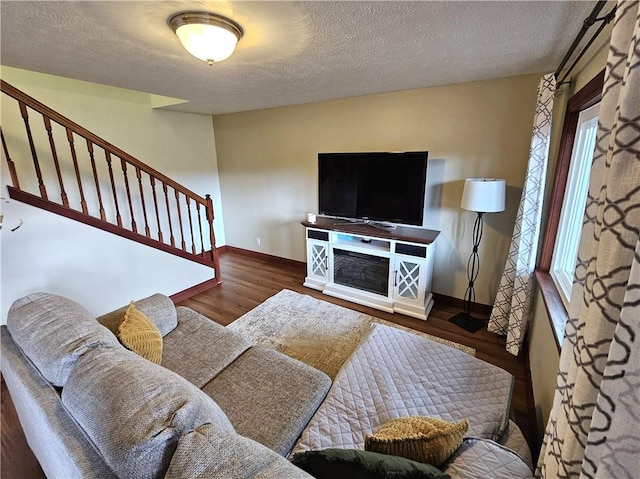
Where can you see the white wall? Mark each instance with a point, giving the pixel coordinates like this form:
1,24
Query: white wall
97,269
268,166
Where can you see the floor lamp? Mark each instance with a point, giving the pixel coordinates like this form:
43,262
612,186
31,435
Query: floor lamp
482,195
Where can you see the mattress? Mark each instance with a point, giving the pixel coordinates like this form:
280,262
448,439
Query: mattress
394,373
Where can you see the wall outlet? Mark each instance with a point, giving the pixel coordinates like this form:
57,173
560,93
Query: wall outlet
258,241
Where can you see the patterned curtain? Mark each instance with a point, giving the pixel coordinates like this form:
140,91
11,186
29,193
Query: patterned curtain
511,310
594,425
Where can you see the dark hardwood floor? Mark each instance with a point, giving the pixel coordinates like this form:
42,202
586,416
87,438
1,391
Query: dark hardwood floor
247,282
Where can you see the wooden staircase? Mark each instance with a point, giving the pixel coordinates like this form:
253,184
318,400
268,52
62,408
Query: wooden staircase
76,174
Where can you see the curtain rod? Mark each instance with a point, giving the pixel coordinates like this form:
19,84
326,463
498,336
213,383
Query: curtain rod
586,25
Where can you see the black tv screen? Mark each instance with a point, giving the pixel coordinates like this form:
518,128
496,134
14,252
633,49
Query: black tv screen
385,187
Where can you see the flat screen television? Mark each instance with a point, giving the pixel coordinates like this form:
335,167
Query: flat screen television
386,187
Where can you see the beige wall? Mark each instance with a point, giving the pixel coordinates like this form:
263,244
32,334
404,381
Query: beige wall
543,359
543,352
268,165
100,270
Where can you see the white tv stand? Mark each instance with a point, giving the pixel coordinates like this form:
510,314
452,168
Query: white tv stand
386,270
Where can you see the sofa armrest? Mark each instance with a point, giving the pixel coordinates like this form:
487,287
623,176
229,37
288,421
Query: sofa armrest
158,307
54,437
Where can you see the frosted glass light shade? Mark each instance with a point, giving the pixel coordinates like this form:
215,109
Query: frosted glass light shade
483,195
209,37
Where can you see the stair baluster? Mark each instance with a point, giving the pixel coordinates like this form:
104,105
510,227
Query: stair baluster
32,146
166,197
144,206
95,179
155,203
180,219
128,190
56,163
193,242
12,166
107,157
200,228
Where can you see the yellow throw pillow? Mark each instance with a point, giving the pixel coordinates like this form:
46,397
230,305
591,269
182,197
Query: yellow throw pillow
139,334
419,438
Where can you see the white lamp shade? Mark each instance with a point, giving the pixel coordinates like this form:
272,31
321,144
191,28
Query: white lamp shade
483,195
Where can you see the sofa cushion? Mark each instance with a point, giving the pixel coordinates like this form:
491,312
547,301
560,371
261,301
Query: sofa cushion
134,411
54,331
269,397
198,349
420,438
209,451
158,308
356,464
140,335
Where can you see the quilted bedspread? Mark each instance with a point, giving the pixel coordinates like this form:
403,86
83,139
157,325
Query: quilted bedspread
515,441
394,373
483,458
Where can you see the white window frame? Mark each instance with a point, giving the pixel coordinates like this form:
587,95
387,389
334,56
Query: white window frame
565,251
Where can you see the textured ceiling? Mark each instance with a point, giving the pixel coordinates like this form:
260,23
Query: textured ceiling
292,52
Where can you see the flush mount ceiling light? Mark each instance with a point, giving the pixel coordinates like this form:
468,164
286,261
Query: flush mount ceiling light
207,36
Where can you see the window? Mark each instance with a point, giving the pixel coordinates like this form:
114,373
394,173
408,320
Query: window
564,218
563,261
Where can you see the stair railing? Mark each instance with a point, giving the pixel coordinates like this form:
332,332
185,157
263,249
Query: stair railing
134,201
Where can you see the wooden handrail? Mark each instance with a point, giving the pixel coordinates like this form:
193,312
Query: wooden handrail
83,132
86,173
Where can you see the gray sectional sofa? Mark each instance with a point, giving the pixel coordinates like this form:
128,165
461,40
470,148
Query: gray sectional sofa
92,409
220,407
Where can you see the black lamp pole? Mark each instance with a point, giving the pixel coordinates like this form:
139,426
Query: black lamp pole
465,320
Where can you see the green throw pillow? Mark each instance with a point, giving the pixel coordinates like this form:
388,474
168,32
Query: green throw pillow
354,464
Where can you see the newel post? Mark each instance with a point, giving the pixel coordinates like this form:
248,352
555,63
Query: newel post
212,236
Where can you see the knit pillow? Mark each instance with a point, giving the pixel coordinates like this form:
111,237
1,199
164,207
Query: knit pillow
419,438
140,335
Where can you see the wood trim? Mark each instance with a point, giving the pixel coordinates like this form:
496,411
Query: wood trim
588,96
52,207
193,290
556,311
256,254
483,309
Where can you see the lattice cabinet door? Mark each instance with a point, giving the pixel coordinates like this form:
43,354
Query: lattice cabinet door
409,280
318,260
